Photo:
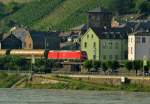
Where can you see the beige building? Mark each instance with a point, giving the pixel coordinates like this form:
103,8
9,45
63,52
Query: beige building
139,46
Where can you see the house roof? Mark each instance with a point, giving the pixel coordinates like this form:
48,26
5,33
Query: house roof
19,33
138,25
39,39
141,33
8,35
113,33
40,36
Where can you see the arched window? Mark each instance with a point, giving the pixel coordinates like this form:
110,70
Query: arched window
85,44
94,44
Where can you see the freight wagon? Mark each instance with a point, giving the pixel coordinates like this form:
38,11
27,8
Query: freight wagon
49,54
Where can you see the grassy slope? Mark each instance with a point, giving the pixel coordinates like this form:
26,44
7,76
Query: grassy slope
33,11
18,1
69,14
7,80
74,84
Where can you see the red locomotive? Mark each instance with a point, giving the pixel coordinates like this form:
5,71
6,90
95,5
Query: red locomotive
67,55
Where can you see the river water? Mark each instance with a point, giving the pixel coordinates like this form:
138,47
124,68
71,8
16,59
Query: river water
26,96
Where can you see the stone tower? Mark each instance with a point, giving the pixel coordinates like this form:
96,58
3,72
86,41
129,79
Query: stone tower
99,18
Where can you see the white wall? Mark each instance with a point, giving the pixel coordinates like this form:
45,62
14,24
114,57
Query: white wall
139,48
131,47
143,49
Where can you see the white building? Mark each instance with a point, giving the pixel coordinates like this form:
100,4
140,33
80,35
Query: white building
139,46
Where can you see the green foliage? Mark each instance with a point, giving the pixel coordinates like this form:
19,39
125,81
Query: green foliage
96,64
87,64
121,6
137,65
114,65
7,80
13,63
145,7
128,65
104,66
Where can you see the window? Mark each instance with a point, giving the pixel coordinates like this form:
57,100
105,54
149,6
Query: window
110,57
110,45
104,57
25,45
94,44
87,36
131,51
131,40
92,35
116,57
137,39
143,40
117,45
104,45
94,57
85,44
30,45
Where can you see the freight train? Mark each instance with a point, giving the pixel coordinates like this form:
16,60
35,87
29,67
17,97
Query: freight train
49,54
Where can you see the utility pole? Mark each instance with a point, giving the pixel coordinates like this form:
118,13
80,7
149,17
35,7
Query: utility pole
31,69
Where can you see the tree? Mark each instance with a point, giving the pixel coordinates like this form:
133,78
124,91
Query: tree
39,65
128,65
87,64
96,64
114,65
145,7
2,10
137,65
104,66
121,6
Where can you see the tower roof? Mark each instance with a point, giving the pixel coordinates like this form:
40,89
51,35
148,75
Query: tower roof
97,10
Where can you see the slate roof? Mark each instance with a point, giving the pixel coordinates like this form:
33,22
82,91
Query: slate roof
138,25
98,10
39,36
141,33
19,33
113,33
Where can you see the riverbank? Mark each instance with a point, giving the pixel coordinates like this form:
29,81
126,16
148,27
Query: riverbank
7,80
68,83
75,82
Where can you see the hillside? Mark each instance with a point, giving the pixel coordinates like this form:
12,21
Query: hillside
33,11
56,14
18,1
69,14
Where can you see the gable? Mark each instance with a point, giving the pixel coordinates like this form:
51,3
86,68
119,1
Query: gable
89,31
11,36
